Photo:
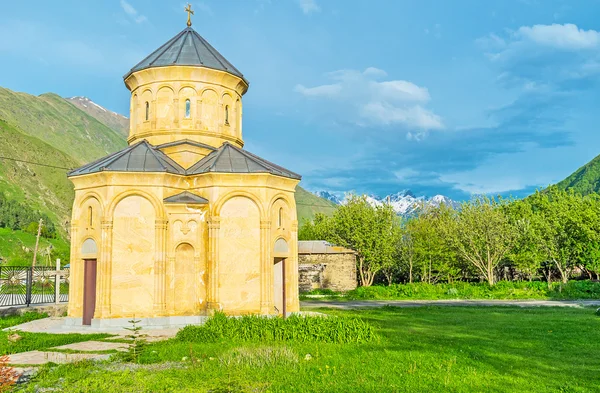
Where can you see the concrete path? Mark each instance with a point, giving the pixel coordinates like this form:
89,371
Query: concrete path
37,358
94,346
353,304
57,325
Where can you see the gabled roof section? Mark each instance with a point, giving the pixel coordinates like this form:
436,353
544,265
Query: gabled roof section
187,198
231,159
186,142
187,48
141,157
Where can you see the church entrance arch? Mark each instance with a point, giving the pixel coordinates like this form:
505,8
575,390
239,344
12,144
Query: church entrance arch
280,253
89,251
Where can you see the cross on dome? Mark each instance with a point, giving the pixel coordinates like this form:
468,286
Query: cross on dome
189,11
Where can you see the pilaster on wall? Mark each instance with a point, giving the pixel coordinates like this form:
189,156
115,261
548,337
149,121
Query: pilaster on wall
213,299
75,308
104,271
266,268
292,290
160,277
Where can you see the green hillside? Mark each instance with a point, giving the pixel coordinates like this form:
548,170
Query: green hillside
16,248
59,123
41,188
585,180
308,204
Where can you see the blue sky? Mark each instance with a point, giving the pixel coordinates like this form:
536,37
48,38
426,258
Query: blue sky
441,97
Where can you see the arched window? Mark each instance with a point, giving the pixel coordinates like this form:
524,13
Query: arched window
147,110
280,218
90,217
188,107
226,115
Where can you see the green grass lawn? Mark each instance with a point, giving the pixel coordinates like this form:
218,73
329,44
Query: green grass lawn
426,349
35,341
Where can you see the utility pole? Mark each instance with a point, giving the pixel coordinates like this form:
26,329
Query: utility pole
37,242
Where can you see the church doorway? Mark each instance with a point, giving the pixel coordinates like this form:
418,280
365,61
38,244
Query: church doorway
281,251
89,290
279,299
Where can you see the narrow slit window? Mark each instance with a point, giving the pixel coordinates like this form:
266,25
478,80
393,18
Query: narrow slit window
188,107
147,110
227,115
90,217
280,218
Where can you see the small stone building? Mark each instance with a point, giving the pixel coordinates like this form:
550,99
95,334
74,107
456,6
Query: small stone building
324,266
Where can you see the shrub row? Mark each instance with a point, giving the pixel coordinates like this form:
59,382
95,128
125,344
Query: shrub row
505,290
303,329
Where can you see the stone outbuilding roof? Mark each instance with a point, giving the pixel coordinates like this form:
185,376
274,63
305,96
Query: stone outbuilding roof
187,48
188,198
144,157
321,247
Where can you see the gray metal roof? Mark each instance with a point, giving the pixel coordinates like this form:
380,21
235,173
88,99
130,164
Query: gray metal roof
232,159
185,142
187,48
186,197
321,247
141,157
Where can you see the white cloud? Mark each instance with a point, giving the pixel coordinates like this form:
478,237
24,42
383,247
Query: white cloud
319,91
375,72
309,6
386,114
368,101
401,90
132,12
567,36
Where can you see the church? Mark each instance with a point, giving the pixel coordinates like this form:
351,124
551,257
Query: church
183,222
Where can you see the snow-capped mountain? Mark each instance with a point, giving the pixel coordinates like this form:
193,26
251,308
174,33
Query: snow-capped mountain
112,119
404,202
329,196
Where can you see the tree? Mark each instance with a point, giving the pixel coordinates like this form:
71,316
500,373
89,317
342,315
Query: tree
525,255
566,222
482,235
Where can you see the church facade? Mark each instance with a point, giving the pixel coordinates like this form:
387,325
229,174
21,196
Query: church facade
183,221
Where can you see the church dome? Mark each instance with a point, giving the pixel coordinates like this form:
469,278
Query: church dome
187,48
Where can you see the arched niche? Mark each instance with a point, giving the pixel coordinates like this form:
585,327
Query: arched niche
133,253
209,109
239,255
90,213
164,107
186,286
281,248
89,248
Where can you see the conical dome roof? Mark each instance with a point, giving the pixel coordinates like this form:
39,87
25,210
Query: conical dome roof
187,48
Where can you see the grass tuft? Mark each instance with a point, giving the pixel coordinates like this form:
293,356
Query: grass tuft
295,328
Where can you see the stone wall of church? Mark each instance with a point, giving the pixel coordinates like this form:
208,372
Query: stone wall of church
157,259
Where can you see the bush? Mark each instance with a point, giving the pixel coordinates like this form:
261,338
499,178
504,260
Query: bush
295,328
503,290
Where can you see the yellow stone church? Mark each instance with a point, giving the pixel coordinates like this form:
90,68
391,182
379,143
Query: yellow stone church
184,221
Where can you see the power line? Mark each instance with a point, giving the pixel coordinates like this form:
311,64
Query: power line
34,163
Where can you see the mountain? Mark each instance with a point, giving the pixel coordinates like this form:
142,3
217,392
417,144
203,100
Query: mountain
59,123
404,202
309,204
585,180
329,196
110,119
